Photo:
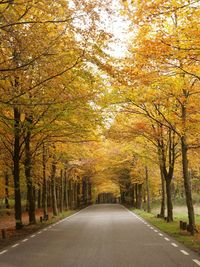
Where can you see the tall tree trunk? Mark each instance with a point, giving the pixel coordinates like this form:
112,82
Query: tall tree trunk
53,188
75,195
49,197
169,200
136,196
61,190
187,186
89,192
44,186
139,196
163,206
28,166
16,169
66,197
133,195
147,190
70,194
186,176
39,198
7,204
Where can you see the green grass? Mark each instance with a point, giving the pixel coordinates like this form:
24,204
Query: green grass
172,228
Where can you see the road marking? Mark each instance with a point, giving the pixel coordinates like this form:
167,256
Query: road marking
167,239
4,251
25,240
184,252
15,245
45,229
39,232
160,234
196,261
155,231
32,235
151,227
174,245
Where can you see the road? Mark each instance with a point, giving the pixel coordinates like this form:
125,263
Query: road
104,235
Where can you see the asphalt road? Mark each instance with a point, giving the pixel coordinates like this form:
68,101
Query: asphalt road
99,236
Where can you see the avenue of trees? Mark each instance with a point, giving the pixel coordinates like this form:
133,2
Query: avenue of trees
76,120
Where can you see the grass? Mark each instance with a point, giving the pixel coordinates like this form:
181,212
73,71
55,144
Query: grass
172,228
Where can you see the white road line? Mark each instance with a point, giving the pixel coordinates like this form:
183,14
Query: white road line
174,245
167,239
4,251
184,252
39,232
15,245
155,231
45,229
196,261
25,240
151,227
160,234
32,235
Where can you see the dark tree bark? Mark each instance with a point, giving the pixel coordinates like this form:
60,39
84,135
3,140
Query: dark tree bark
136,196
49,196
28,167
169,200
66,197
187,186
16,168
139,196
133,195
39,198
148,190
163,206
186,176
44,185
53,187
70,194
7,204
167,172
61,191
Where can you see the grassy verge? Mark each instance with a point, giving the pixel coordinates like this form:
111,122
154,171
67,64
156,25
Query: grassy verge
172,228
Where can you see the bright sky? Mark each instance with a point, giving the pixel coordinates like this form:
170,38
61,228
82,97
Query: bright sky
119,27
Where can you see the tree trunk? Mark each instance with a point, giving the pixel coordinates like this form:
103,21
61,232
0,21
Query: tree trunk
162,208
139,196
44,186
28,166
49,197
39,197
53,188
16,169
187,186
7,205
133,195
136,196
169,200
147,190
61,190
186,177
66,197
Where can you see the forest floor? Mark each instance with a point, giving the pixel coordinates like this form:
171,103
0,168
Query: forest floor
7,222
172,228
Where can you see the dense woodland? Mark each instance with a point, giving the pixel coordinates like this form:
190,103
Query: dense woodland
77,120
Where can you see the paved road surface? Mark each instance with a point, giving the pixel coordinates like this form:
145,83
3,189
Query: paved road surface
100,236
